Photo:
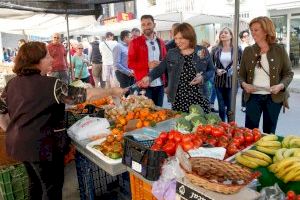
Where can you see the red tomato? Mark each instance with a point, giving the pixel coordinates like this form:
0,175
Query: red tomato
224,138
159,141
298,197
207,129
188,145
155,147
203,137
169,148
197,143
291,195
248,137
240,137
163,135
233,123
200,129
222,143
212,141
256,134
217,131
171,135
177,137
232,149
186,138
224,125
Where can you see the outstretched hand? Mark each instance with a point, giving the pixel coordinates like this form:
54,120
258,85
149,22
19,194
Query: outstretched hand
144,82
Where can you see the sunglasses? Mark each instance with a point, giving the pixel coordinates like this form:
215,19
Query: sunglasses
152,45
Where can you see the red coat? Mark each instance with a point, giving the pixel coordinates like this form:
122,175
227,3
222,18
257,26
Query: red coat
138,56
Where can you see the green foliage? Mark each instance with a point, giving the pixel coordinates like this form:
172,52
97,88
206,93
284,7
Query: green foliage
183,125
212,118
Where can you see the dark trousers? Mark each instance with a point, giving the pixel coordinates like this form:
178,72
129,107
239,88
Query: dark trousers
156,94
243,101
224,101
124,80
262,104
46,179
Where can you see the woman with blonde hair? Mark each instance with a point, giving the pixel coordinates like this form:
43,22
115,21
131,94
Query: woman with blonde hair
265,74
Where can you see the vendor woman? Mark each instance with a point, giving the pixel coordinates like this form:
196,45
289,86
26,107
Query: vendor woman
32,114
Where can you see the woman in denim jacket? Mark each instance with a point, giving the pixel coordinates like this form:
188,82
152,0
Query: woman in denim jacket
189,66
222,56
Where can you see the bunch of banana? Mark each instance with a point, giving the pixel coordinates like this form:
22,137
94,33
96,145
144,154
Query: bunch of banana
287,169
268,144
291,141
253,159
280,154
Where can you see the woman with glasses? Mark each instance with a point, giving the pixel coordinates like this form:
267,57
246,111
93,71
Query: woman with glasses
222,56
189,67
79,63
265,74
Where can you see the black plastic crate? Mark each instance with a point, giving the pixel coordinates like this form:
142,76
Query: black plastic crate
95,183
140,152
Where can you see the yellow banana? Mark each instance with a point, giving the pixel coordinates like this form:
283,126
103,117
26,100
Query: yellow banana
294,143
242,160
288,153
283,172
297,178
260,162
272,167
260,155
270,137
286,140
268,143
279,154
266,150
291,175
274,159
286,163
296,154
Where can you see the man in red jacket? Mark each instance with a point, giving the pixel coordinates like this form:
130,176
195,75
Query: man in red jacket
145,53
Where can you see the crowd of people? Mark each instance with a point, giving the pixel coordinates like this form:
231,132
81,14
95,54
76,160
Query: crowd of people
32,104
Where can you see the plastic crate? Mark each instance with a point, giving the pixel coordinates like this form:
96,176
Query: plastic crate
138,156
95,183
140,190
14,183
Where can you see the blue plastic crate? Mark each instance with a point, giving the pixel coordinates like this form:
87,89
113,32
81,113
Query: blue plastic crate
95,182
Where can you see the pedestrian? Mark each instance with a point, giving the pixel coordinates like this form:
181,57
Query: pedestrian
245,41
120,55
222,56
189,67
171,44
135,32
106,49
59,55
96,59
79,65
144,54
265,74
34,125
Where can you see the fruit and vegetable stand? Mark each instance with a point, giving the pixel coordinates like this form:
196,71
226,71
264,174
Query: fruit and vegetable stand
217,160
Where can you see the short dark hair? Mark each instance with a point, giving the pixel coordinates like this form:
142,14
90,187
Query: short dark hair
241,34
188,32
123,34
135,30
29,55
109,34
147,17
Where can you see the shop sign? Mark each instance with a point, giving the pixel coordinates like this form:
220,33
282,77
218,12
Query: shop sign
187,193
115,19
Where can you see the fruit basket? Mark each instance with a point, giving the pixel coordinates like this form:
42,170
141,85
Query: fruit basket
219,176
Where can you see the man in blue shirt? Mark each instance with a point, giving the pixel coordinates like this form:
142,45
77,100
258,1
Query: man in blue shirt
120,61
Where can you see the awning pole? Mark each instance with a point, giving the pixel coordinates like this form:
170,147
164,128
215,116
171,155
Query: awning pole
69,46
235,60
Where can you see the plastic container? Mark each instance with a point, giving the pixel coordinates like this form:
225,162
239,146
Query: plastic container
95,182
139,157
140,189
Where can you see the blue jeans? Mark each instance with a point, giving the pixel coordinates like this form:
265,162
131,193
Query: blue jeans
262,104
224,101
156,94
124,80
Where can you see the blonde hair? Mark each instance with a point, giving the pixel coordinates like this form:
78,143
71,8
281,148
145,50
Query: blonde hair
268,26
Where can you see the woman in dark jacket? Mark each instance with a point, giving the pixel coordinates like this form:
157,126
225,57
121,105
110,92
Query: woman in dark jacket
265,74
189,66
34,105
222,56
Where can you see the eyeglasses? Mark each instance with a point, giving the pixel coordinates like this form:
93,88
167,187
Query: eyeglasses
258,61
152,45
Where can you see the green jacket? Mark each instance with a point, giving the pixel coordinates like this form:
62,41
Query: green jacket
280,69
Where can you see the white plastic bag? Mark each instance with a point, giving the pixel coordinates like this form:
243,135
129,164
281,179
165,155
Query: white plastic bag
88,127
